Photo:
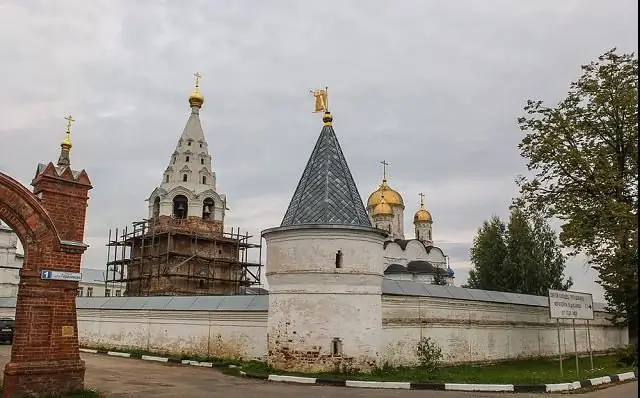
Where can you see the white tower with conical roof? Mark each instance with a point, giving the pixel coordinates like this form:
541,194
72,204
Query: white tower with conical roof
324,268
188,186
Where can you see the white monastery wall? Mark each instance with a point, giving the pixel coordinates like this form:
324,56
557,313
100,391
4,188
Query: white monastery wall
217,334
475,331
467,331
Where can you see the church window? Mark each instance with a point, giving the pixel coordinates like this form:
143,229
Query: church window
174,160
339,259
186,159
156,206
204,179
200,145
336,347
429,235
189,143
207,209
180,206
201,160
166,178
184,177
201,284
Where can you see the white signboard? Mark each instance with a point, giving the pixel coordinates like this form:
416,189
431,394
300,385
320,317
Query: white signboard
61,276
570,305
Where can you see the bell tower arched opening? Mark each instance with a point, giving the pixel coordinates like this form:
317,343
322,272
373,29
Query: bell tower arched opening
180,206
207,209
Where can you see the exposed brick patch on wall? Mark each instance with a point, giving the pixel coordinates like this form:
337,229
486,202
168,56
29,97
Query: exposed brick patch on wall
50,224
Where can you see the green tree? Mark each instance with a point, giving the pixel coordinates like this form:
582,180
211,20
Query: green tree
583,160
488,255
521,257
439,278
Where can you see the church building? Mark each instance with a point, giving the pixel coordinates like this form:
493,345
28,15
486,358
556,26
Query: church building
415,259
182,247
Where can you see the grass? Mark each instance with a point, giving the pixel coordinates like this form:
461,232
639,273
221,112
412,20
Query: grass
531,371
526,371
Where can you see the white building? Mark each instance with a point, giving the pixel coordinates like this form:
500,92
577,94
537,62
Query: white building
92,283
416,259
10,262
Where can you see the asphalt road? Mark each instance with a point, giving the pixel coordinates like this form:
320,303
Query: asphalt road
122,377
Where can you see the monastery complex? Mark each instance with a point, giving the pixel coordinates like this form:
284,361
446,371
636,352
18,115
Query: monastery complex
345,286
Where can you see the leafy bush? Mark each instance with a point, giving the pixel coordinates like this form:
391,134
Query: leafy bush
627,355
429,354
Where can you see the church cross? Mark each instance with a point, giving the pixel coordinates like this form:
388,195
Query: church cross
69,120
384,169
197,76
421,199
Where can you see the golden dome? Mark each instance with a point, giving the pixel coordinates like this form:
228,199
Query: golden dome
196,98
422,215
382,209
391,196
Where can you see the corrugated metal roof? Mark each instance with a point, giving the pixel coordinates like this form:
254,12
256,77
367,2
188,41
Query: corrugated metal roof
261,302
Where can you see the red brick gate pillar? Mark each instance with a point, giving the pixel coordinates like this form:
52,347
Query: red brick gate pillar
45,355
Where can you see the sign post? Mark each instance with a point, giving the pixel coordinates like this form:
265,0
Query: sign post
571,305
590,350
559,347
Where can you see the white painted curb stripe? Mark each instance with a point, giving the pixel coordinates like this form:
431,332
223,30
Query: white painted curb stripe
202,364
87,350
563,386
626,376
157,359
378,384
478,387
292,379
119,354
600,380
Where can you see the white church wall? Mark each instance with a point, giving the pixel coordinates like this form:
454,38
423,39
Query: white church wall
474,331
415,250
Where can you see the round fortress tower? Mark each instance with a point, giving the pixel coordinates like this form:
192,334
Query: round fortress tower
324,268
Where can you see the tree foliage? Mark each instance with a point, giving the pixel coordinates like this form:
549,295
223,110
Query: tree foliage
521,257
583,158
439,278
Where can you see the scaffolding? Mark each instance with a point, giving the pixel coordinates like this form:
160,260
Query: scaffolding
173,257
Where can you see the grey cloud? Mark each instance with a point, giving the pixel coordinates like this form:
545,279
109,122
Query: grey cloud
432,87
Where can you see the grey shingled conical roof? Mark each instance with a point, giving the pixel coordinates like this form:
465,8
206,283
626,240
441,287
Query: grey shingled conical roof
326,193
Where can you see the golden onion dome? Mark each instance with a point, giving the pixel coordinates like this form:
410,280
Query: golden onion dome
422,215
196,98
382,209
392,197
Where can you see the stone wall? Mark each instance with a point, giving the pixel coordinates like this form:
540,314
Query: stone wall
476,331
467,331
218,334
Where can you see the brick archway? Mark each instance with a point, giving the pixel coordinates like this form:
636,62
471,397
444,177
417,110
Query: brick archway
45,356
20,209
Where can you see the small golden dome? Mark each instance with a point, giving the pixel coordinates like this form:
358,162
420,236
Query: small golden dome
422,215
327,118
382,209
196,98
391,196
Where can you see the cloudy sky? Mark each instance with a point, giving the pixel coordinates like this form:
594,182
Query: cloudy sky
433,87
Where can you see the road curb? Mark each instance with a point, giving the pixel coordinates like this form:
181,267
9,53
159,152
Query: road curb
531,388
